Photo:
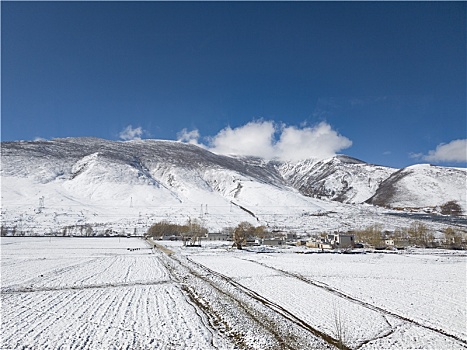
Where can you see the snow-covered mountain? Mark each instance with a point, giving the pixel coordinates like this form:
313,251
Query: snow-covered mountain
422,186
72,183
340,178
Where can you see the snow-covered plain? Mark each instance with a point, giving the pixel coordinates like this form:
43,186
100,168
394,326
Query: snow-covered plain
118,293
76,293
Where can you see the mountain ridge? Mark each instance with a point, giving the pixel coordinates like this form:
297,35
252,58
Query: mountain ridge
169,179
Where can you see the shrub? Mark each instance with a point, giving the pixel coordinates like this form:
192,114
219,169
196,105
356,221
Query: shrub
451,208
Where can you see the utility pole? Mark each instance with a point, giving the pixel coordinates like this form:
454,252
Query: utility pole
21,224
41,204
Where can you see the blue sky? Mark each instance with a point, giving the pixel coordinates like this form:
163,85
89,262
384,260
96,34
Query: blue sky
383,82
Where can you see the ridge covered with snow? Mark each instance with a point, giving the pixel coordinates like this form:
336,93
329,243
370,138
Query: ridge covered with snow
111,186
423,185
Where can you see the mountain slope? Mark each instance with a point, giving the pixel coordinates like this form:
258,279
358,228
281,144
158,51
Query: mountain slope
340,178
422,185
95,181
51,186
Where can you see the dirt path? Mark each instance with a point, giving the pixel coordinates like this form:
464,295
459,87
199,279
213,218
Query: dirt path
246,318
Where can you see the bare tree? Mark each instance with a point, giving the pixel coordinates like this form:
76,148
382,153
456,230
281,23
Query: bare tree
370,235
242,231
419,234
196,231
159,229
451,208
453,238
340,327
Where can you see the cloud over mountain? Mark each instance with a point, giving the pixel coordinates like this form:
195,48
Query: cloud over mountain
270,140
320,141
454,151
129,133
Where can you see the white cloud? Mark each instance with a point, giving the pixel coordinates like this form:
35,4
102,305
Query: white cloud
190,137
131,134
454,151
258,138
320,142
252,139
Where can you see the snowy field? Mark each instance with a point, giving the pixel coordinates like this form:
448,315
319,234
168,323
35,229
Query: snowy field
118,293
77,293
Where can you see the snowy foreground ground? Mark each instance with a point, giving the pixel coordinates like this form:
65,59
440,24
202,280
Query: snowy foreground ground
120,293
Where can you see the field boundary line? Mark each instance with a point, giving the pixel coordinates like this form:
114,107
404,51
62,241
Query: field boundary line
359,302
83,287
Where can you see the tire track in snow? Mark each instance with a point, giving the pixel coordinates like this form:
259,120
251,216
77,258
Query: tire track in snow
187,297
276,308
203,319
246,318
217,313
360,302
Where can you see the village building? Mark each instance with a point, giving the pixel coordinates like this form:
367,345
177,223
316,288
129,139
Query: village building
272,241
210,236
341,240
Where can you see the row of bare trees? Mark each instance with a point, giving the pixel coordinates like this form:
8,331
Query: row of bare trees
195,228
416,234
166,228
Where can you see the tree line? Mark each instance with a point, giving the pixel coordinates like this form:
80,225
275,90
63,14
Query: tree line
195,228
417,234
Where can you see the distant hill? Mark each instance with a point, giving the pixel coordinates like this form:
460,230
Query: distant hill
422,186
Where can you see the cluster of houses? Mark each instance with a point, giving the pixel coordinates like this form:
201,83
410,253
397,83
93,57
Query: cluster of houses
331,241
278,240
347,241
